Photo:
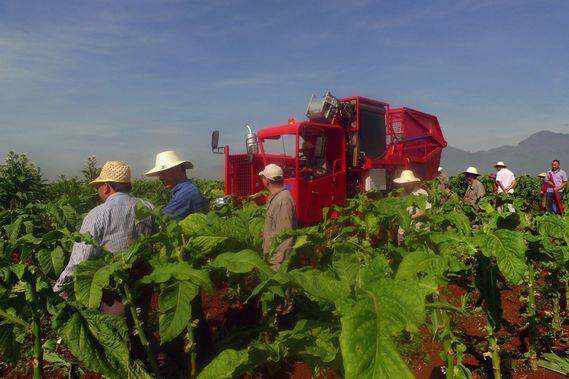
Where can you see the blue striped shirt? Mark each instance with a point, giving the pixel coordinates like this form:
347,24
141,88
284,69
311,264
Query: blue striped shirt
113,225
186,199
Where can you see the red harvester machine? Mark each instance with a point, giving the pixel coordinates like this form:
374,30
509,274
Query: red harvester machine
346,146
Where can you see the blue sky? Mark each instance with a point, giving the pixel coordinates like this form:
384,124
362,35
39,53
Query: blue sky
127,79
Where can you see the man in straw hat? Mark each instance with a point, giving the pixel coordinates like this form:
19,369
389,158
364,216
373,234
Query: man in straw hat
112,224
186,198
410,184
280,217
475,190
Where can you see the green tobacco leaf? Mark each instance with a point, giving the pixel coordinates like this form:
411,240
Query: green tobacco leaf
508,247
9,346
52,262
552,226
206,245
99,341
242,262
175,308
193,223
345,263
368,325
228,364
179,271
320,284
90,279
427,263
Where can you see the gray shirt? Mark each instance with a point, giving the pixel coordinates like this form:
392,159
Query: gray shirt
559,176
281,216
112,225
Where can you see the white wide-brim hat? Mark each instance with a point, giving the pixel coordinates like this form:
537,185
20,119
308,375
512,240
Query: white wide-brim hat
113,171
272,172
166,160
472,170
407,176
440,169
500,164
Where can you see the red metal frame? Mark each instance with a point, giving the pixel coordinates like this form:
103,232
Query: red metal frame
418,146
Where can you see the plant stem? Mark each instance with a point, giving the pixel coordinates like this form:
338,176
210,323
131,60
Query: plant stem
494,351
532,321
191,348
36,332
140,331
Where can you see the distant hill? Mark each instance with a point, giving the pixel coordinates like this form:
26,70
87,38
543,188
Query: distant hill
531,156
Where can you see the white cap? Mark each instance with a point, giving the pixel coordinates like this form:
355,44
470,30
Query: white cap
500,163
272,172
440,168
472,170
407,176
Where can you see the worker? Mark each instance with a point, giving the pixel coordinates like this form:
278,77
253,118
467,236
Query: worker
556,180
543,191
505,182
505,179
111,224
443,180
475,190
280,216
186,197
410,184
311,166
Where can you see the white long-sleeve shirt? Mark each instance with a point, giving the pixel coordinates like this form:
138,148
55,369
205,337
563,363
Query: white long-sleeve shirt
112,225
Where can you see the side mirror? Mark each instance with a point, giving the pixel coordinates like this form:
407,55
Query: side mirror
214,139
215,143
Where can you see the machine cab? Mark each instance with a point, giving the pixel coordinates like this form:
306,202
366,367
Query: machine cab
313,161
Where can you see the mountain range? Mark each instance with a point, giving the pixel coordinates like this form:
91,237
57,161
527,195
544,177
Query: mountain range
531,156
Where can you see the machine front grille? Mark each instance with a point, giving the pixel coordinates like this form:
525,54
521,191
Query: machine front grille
240,175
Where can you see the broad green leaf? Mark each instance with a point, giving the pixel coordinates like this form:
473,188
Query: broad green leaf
242,262
99,341
508,247
175,308
9,346
320,284
52,262
552,226
226,365
193,223
206,245
90,279
427,263
180,271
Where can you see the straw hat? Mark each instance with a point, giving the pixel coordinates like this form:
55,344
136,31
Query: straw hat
500,164
407,176
272,172
440,169
113,171
472,170
542,175
166,160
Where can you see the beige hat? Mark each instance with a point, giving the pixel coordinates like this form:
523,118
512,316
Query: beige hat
166,160
500,164
113,171
440,169
542,175
272,172
472,170
407,176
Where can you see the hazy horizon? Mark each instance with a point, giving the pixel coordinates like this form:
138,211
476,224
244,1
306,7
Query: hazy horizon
125,80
